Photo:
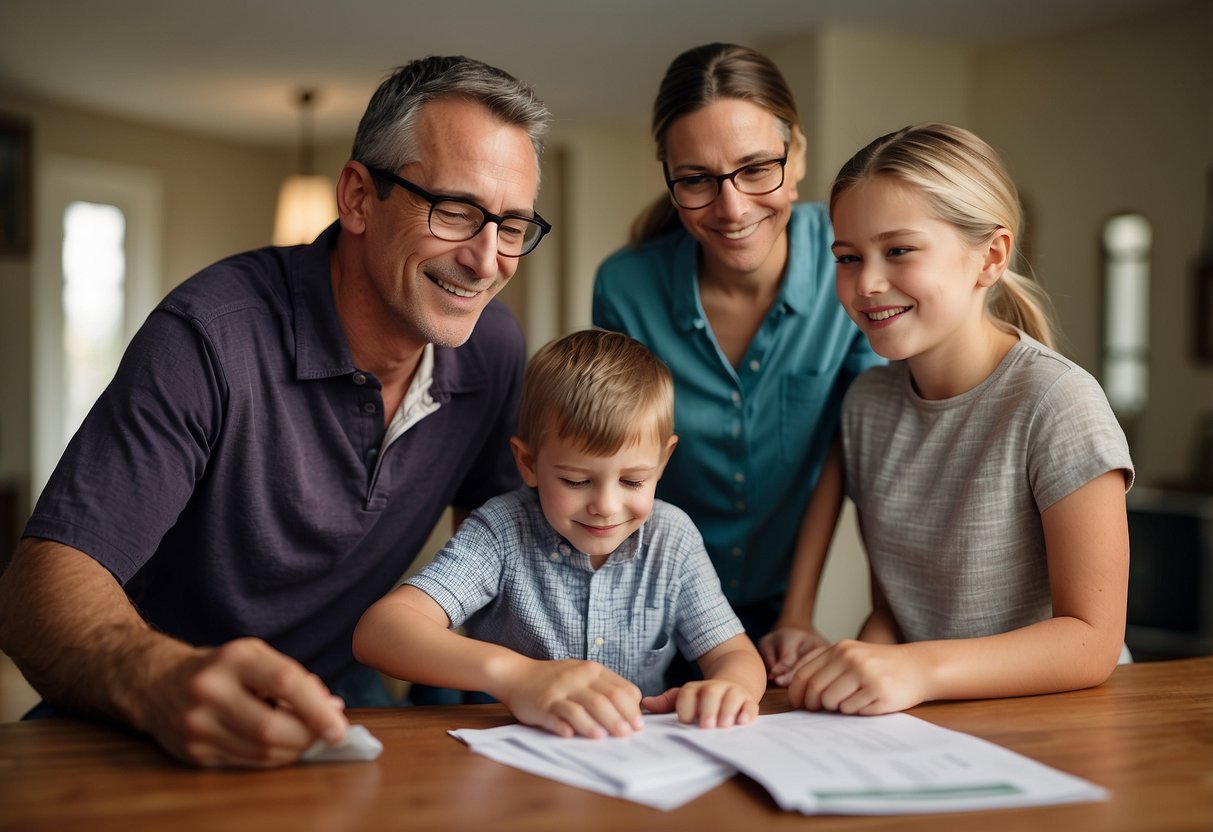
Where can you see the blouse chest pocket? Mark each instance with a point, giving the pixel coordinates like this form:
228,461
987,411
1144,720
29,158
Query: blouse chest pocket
801,398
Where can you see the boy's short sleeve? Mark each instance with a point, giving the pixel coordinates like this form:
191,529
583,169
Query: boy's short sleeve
465,575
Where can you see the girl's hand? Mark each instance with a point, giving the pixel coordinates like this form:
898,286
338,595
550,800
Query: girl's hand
785,648
713,703
857,677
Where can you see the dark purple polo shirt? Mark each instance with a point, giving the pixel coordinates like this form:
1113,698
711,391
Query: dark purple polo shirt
227,475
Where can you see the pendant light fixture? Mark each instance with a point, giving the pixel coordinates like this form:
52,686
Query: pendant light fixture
306,201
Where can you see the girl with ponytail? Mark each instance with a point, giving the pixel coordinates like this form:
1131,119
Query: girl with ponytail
988,470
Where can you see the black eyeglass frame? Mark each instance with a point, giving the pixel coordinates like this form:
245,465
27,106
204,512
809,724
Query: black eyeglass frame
489,216
720,179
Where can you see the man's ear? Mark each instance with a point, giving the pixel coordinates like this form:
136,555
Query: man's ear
355,193
997,257
525,460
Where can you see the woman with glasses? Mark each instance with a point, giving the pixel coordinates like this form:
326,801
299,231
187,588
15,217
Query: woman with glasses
731,282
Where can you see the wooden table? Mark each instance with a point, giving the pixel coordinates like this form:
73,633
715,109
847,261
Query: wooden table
1146,735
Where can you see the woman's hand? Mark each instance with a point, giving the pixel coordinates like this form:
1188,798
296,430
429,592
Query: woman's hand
785,648
857,677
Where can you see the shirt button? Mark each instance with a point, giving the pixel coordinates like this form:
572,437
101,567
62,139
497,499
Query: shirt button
739,477
372,455
598,642
360,379
369,408
755,365
737,552
554,556
740,505
698,323
736,398
734,584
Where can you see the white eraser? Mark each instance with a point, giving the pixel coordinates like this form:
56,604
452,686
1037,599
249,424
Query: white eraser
358,744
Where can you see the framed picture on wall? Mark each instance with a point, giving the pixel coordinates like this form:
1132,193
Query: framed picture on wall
1204,310
14,185
1202,277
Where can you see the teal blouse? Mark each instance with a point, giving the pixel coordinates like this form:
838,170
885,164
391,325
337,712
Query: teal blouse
752,437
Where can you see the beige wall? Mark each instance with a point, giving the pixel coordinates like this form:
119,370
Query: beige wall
218,198
1119,119
1098,121
841,79
610,173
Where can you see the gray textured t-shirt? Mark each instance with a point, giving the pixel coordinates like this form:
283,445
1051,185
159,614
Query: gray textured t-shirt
950,492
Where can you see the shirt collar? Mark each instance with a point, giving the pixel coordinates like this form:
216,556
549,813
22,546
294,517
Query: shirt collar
451,375
688,311
556,542
628,549
321,348
795,292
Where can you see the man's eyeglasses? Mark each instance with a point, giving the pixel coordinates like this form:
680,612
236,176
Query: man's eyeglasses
455,219
699,190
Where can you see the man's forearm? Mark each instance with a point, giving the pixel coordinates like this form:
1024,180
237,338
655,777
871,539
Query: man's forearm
69,627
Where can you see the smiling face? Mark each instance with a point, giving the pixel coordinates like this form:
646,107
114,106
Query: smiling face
433,290
594,502
740,234
909,281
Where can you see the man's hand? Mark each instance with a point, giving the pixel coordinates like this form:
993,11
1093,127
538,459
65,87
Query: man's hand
69,626
241,705
571,698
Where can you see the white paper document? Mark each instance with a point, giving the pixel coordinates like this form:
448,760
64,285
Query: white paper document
809,762
878,765
647,767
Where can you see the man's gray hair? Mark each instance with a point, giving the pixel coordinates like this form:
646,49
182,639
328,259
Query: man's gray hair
386,135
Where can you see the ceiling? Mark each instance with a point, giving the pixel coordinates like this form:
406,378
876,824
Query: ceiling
233,68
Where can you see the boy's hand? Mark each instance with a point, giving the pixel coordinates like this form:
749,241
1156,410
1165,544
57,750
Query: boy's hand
571,697
858,677
786,648
713,703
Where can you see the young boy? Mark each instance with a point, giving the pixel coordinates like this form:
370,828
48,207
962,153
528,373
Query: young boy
576,589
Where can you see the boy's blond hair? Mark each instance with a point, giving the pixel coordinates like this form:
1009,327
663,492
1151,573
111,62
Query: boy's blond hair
602,390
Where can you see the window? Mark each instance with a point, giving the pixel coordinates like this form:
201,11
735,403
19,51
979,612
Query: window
1126,264
97,257
94,270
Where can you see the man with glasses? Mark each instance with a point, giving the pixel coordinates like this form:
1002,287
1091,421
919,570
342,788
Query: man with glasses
282,435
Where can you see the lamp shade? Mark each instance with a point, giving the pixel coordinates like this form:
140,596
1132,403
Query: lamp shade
306,206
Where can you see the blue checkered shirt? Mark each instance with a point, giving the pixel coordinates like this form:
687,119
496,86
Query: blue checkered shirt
515,582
